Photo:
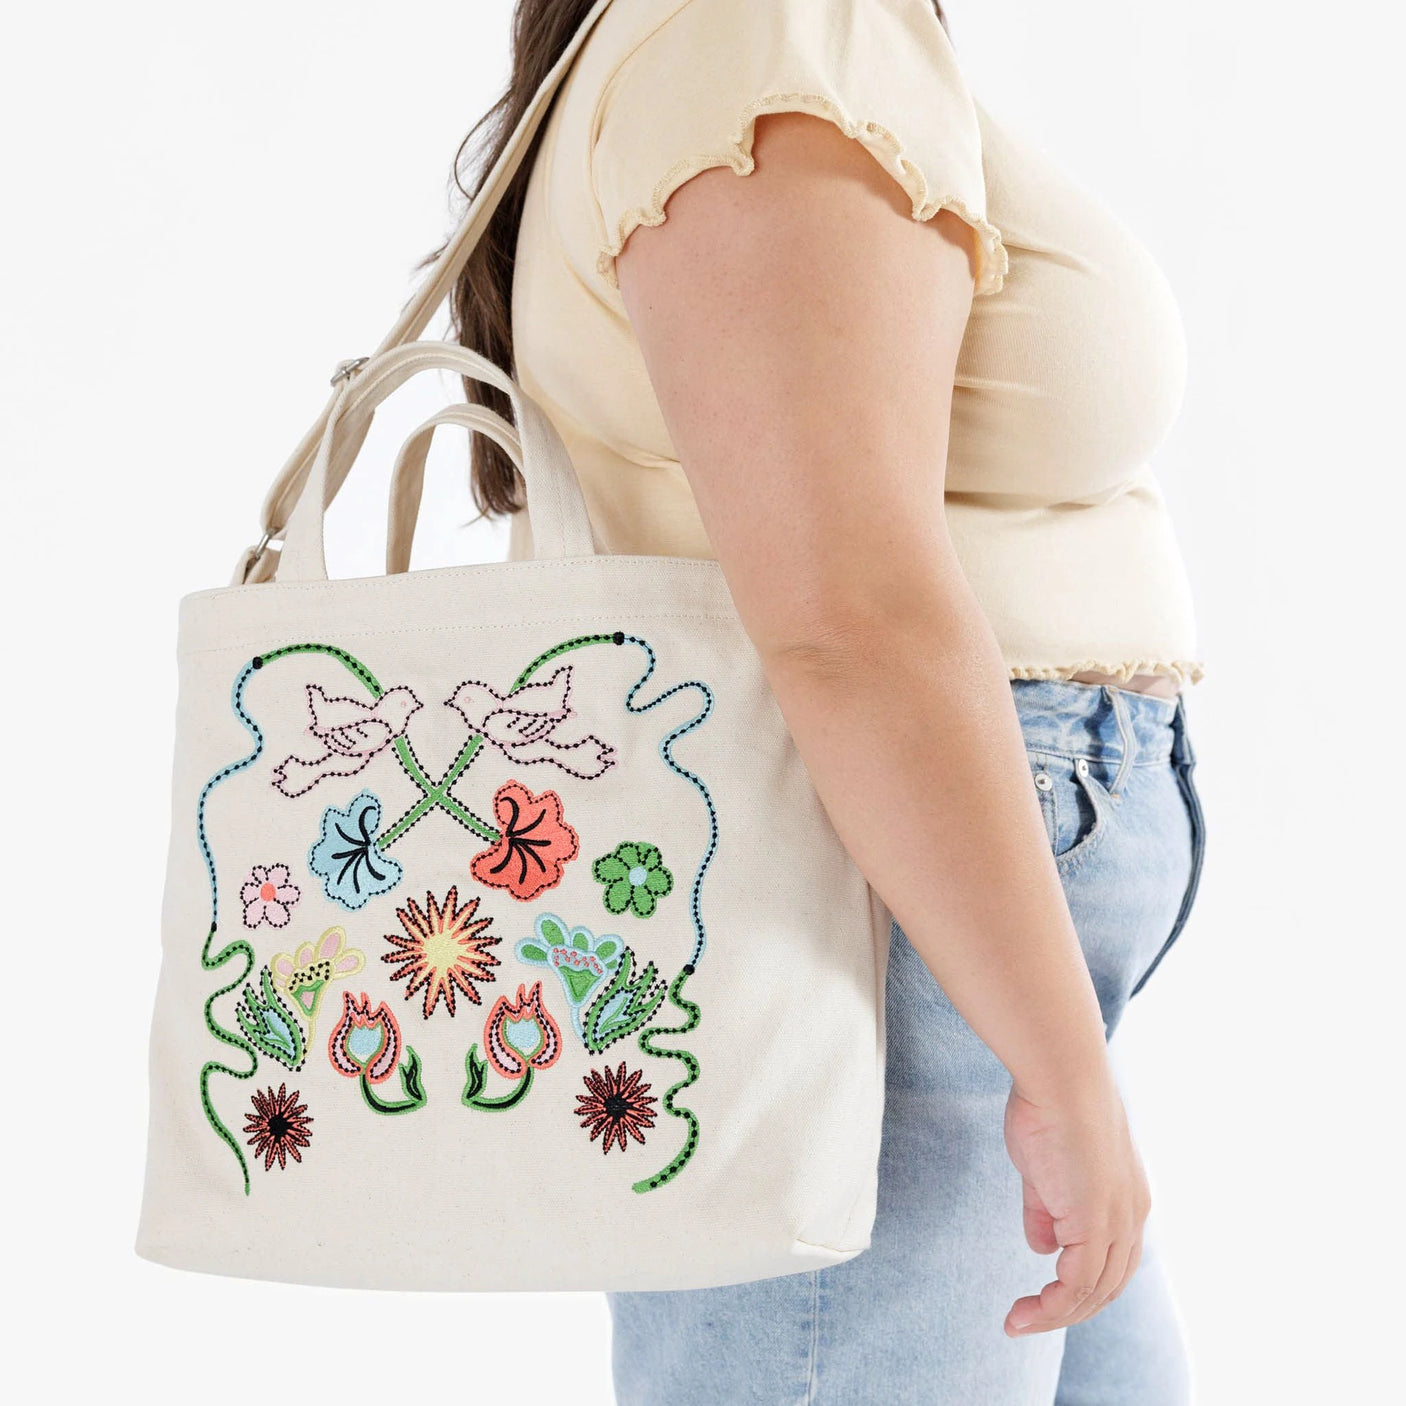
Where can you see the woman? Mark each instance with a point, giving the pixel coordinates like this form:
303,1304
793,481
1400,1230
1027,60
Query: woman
902,380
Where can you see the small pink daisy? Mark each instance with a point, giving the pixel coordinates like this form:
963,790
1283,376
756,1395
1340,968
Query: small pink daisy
267,896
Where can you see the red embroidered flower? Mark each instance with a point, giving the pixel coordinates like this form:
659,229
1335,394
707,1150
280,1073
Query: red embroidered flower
617,1103
520,1034
365,1044
280,1126
534,845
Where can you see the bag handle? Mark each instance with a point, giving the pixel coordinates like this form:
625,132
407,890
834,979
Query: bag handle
408,477
260,563
555,507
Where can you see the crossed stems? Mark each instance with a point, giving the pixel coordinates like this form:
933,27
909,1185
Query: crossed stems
434,794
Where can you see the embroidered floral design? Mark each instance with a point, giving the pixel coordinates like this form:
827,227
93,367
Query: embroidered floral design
534,845
267,896
532,724
615,1103
634,877
351,734
580,959
280,1126
346,857
366,1045
444,947
520,1035
623,1005
529,724
269,1025
303,976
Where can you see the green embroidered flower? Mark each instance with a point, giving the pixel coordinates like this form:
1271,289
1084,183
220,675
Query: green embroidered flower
634,877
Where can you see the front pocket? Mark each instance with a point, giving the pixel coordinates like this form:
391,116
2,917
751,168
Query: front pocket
1075,802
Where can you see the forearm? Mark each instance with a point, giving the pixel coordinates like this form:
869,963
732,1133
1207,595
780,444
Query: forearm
905,721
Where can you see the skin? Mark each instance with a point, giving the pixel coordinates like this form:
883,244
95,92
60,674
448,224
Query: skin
801,331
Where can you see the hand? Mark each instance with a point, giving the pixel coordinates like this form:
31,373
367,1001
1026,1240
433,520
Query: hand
1085,1196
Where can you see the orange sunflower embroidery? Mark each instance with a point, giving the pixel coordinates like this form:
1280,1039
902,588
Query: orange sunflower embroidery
445,946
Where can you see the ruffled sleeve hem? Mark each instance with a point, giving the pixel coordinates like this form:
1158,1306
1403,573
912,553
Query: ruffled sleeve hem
1184,671
991,259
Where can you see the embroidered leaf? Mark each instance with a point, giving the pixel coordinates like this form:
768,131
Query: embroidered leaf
410,1080
477,1070
269,1025
623,1006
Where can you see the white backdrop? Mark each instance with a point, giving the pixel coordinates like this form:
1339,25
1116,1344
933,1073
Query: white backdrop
210,205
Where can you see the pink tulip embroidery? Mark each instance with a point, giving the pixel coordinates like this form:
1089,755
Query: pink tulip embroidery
267,896
534,723
366,1043
521,1035
351,733
367,1046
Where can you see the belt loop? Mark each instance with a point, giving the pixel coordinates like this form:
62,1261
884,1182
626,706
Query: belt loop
1125,733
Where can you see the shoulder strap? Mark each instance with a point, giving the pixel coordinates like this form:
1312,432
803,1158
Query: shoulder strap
259,563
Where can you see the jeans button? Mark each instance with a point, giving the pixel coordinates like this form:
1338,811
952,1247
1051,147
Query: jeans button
1081,766
1044,781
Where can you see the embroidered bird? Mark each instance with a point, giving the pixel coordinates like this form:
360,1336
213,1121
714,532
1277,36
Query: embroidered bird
352,733
534,724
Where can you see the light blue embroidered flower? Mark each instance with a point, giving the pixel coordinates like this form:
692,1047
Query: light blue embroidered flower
346,857
582,960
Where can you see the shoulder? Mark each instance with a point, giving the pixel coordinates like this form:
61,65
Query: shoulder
679,85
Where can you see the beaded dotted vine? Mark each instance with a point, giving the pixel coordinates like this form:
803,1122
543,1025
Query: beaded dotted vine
689,1009
436,795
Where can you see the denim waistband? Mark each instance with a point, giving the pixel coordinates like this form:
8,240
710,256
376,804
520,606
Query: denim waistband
1101,723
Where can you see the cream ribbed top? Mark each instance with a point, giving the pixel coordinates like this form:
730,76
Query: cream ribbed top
1071,369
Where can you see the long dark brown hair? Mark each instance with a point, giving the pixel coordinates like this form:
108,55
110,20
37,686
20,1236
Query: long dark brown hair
481,302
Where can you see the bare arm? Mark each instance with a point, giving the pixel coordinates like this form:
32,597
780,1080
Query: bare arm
801,332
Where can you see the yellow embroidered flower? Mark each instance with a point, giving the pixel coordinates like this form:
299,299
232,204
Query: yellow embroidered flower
444,946
304,975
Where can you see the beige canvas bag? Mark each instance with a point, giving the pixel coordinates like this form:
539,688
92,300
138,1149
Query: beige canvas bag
506,944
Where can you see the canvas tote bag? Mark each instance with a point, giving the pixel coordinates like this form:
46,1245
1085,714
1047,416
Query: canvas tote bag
505,943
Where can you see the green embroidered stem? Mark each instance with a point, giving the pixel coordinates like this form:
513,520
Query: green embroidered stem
692,1014
435,793
242,949
233,949
349,661
565,647
476,1068
415,1096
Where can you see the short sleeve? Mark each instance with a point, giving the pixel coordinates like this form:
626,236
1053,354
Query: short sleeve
688,94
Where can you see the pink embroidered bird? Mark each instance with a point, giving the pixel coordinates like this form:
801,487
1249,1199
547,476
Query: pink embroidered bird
352,734
534,724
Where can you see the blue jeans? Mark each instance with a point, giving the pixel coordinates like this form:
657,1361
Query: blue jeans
917,1318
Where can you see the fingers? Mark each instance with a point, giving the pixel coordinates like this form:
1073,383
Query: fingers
1080,1270
1039,1224
1089,1277
1110,1285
